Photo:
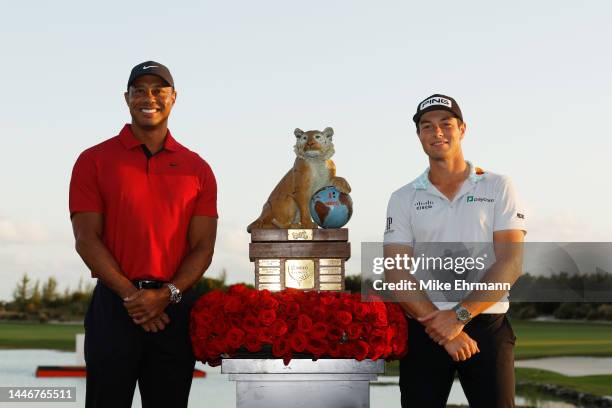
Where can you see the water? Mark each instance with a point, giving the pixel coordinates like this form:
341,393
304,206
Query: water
17,368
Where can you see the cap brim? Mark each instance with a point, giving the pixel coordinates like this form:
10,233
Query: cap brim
417,116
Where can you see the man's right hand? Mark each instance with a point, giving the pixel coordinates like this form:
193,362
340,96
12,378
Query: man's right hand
156,324
461,347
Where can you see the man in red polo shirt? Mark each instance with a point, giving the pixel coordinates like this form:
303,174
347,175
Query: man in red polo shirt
144,215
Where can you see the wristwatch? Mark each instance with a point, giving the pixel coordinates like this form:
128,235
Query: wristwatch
175,293
463,315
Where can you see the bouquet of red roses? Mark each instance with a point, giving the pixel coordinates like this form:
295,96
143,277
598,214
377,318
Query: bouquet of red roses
321,324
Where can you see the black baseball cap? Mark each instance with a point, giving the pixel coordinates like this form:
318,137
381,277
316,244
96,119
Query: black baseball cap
437,102
150,68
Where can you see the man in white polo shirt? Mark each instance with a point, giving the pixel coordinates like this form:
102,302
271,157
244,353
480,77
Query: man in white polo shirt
455,202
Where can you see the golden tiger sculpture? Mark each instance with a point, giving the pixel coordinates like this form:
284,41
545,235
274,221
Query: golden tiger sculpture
287,206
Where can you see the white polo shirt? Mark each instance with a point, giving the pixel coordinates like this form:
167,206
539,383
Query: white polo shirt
486,202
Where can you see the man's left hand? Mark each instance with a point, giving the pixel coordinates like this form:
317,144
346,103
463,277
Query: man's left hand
146,304
441,325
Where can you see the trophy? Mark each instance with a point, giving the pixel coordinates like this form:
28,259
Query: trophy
287,247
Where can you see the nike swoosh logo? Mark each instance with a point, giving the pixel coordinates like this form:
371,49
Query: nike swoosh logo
149,66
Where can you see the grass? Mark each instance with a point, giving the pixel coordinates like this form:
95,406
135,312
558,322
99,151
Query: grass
549,339
592,384
27,335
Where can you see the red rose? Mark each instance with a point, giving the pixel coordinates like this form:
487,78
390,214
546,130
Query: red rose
319,330
278,328
319,313
287,358
267,316
232,305
266,301
325,299
361,350
298,341
354,331
292,309
214,362
343,318
304,323
252,343
250,324
335,349
317,347
335,334
360,310
234,337
280,347
220,326
376,351
238,289
212,297
264,336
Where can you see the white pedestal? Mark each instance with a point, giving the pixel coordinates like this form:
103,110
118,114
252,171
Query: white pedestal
325,383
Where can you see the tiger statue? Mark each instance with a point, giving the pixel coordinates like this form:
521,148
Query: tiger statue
287,206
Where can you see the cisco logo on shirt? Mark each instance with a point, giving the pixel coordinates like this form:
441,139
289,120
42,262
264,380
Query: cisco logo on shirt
472,199
423,205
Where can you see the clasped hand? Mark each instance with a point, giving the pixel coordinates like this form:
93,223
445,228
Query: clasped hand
443,327
146,308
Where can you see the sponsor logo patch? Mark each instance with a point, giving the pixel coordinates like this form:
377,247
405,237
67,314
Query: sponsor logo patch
472,199
423,205
436,100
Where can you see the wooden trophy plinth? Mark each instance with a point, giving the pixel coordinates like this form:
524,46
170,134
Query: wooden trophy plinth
306,259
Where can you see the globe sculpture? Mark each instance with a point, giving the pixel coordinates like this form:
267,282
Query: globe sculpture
331,208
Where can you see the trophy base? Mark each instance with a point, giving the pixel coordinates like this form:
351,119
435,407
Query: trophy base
305,259
330,383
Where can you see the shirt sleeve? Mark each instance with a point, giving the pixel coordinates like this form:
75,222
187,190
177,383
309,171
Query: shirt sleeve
398,229
206,203
509,214
84,193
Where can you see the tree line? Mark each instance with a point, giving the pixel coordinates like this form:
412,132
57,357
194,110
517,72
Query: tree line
35,301
32,300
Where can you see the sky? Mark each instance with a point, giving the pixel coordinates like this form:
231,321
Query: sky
532,79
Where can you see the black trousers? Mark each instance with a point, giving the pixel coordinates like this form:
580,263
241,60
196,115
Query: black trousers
427,371
120,353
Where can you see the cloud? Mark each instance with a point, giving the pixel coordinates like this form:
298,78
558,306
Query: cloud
20,232
232,253
565,226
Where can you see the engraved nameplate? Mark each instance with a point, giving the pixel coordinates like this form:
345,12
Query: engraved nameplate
330,286
269,278
299,235
330,278
269,262
269,286
327,270
299,273
330,262
269,271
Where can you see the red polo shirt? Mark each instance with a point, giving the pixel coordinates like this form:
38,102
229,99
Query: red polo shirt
147,203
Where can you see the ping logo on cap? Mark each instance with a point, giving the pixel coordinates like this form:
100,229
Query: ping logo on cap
436,100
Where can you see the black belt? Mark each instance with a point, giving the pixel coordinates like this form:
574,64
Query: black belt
148,284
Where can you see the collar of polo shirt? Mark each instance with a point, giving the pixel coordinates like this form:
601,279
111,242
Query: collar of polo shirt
129,141
476,174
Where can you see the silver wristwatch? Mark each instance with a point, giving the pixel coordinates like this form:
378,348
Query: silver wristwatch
175,293
463,315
